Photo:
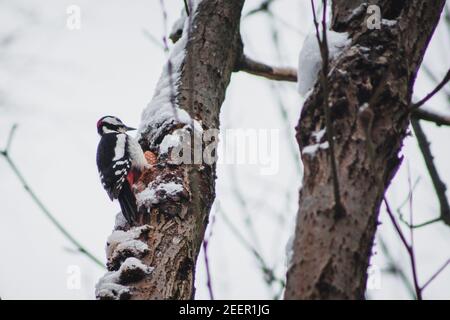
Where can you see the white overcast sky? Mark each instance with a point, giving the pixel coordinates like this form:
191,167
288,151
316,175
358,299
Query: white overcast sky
55,83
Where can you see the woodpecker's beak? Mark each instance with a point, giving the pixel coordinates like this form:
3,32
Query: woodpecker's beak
129,129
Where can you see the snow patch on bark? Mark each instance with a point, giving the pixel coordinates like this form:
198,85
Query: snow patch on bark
176,138
108,288
163,111
389,23
319,134
312,149
112,285
124,244
178,26
310,60
157,191
120,236
120,221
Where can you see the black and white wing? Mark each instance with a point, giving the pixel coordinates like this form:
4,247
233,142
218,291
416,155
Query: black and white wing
113,163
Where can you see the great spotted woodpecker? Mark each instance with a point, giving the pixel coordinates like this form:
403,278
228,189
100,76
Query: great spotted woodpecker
120,160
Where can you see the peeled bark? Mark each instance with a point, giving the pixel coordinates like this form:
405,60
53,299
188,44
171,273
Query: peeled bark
174,224
370,89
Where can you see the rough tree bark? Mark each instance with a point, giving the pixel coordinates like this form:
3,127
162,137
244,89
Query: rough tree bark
370,87
157,260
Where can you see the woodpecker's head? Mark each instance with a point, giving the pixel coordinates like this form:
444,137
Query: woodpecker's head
110,124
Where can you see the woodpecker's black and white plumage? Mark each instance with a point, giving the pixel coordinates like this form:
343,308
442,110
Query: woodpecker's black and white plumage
120,160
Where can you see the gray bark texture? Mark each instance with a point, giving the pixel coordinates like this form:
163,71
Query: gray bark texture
173,229
332,249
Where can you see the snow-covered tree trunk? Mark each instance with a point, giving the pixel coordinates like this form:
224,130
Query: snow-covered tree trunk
157,260
370,87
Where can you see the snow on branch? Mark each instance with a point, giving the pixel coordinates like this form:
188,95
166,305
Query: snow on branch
112,286
125,251
163,113
310,59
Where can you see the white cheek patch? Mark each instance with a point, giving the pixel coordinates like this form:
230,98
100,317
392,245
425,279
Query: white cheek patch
106,130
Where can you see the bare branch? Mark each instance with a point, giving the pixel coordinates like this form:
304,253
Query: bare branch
206,257
432,93
263,7
420,225
438,119
438,184
251,66
432,77
395,269
186,7
169,61
408,248
208,271
438,272
40,204
339,209
10,138
269,275
153,39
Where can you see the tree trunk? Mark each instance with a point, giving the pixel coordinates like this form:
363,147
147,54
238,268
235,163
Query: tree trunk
157,260
370,89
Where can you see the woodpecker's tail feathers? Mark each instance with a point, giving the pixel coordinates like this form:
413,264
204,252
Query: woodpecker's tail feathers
128,205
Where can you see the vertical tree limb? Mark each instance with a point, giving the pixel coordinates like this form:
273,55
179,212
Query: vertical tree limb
331,255
173,225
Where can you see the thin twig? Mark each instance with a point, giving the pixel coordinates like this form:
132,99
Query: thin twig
432,93
169,62
186,7
400,214
205,252
244,206
411,230
268,272
395,269
433,78
439,185
285,23
263,7
339,209
404,202
419,225
208,272
438,272
153,39
40,204
408,248
293,147
10,139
